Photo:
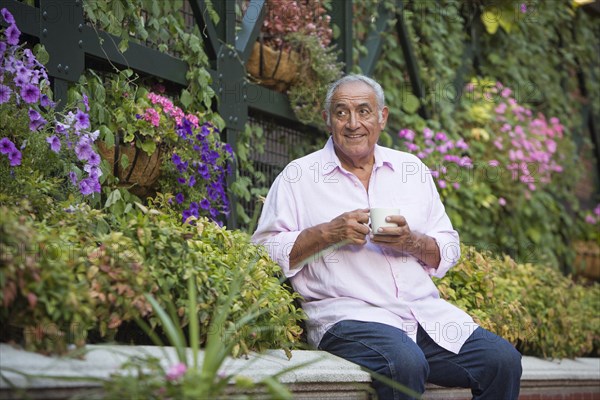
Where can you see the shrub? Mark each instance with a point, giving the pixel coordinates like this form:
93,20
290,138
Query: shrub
172,252
72,273
533,306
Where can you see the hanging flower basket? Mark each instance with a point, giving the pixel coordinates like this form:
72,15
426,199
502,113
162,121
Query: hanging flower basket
276,69
587,259
142,172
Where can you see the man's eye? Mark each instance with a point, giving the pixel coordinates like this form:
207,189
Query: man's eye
365,111
341,113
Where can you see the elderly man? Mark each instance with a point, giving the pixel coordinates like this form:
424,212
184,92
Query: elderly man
369,295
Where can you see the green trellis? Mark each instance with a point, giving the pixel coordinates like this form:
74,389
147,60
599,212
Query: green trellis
60,26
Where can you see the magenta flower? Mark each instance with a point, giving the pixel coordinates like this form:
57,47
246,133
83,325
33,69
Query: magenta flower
176,371
54,143
5,92
502,201
597,210
30,93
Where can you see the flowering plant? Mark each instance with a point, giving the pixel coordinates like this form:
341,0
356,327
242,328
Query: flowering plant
520,145
285,17
195,163
446,158
30,118
198,169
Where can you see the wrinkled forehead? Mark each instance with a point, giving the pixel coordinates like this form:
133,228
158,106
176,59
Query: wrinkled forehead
354,94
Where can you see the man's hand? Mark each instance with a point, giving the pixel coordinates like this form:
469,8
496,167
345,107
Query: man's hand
403,240
350,227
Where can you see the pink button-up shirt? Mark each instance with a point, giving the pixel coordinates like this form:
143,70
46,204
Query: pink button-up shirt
365,283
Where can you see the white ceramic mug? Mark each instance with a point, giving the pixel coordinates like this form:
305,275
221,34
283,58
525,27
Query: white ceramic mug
378,216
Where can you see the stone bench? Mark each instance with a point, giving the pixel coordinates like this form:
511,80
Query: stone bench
325,377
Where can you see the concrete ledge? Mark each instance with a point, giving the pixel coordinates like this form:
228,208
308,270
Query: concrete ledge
325,377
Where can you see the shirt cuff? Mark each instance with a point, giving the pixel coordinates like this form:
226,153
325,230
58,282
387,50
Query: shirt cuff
279,248
449,254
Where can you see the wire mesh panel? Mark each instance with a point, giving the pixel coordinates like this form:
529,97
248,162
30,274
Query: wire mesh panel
282,144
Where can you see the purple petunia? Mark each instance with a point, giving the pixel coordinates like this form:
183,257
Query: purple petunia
34,115
83,149
8,17
192,181
73,177
176,159
205,204
54,143
94,159
179,198
45,101
12,35
93,171
37,124
82,120
7,146
30,93
88,186
5,92
14,157
61,128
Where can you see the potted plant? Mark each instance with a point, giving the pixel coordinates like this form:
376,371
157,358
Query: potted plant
293,55
150,143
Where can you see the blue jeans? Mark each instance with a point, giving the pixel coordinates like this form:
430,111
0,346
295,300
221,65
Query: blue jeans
487,364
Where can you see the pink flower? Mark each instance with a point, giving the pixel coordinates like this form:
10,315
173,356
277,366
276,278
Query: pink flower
493,163
176,371
551,145
506,92
427,133
523,8
590,219
152,116
501,109
502,201
597,210
442,184
407,134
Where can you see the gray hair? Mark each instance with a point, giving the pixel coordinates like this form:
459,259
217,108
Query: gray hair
355,78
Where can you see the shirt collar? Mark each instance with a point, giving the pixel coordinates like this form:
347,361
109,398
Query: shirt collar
331,162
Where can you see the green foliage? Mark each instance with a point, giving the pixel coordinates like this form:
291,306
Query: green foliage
172,252
79,270
42,301
319,69
533,306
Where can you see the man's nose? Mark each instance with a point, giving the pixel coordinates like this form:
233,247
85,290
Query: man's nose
352,122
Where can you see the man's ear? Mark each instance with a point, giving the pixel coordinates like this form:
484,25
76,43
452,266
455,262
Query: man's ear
324,115
384,117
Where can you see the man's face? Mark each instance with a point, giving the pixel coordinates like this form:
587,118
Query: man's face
355,123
